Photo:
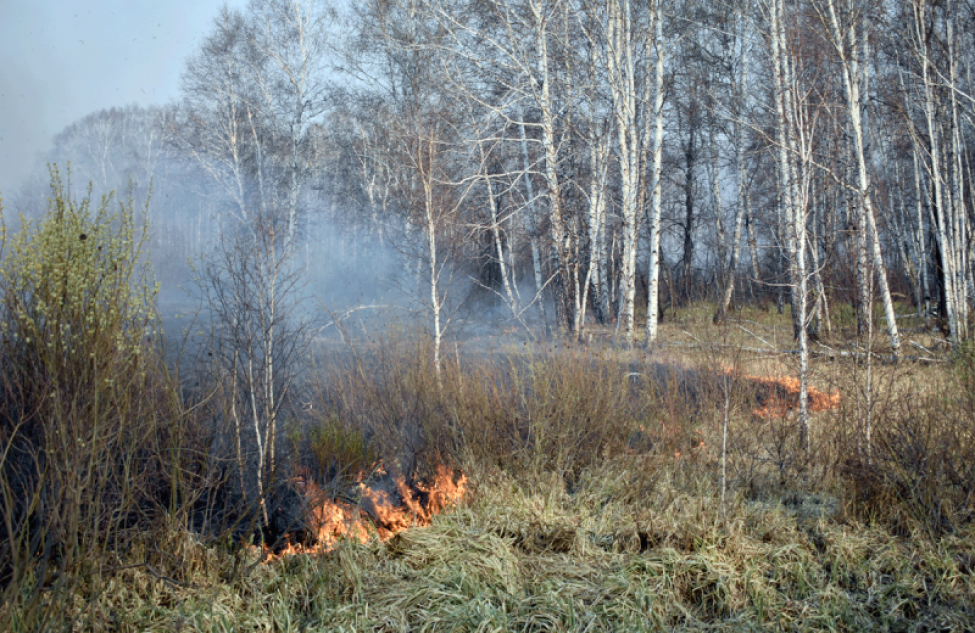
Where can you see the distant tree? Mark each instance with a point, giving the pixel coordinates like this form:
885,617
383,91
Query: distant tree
252,291
218,121
293,83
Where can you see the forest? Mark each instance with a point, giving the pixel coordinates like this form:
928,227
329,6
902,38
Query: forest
504,315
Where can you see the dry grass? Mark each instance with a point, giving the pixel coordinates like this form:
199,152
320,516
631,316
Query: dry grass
596,500
613,555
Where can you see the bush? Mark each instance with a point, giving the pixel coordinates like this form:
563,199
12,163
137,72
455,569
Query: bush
919,474
531,413
89,419
337,450
963,366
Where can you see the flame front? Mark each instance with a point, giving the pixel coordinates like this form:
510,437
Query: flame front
780,394
380,514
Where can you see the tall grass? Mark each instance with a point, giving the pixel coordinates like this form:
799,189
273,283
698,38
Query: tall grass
919,476
531,413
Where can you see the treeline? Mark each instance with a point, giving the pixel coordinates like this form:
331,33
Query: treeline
574,159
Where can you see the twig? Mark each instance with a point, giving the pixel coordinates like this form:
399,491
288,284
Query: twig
863,354
165,578
335,320
355,353
693,337
924,313
755,335
827,352
921,347
701,345
770,326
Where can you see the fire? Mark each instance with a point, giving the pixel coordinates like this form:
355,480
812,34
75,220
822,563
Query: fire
420,503
332,520
389,505
777,395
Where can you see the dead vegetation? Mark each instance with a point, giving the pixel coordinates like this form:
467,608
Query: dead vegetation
532,487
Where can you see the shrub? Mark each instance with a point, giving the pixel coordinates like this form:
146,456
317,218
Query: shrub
963,366
89,419
919,474
337,450
532,413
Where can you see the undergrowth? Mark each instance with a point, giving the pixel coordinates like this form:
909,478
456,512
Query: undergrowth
604,495
612,555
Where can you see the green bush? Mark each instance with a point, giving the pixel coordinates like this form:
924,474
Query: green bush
89,418
337,449
77,297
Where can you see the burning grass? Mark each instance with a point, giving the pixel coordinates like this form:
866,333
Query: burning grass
597,507
387,505
621,552
777,396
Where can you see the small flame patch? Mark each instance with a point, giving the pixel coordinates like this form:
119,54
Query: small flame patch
389,506
777,395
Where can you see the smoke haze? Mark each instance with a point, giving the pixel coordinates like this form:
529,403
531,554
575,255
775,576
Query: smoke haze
63,59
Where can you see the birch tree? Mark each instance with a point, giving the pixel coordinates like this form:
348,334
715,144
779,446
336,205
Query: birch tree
622,35
656,189
848,29
937,148
737,111
423,136
511,44
212,123
259,333
794,130
293,36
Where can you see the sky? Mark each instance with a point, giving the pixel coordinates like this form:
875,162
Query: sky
63,59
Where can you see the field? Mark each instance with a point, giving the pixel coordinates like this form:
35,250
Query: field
606,490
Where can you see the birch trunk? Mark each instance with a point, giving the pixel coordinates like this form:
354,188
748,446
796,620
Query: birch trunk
741,179
794,143
957,184
598,148
561,238
496,235
623,86
655,186
945,247
786,205
854,71
922,264
532,215
435,303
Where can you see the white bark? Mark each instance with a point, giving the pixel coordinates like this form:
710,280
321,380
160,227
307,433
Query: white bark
794,143
561,238
655,187
628,111
598,152
850,48
941,214
496,235
960,218
292,34
532,214
434,271
741,94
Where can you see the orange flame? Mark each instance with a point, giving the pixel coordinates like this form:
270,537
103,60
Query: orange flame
778,395
380,514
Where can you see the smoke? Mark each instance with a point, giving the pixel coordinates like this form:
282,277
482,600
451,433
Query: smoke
23,131
62,60
358,269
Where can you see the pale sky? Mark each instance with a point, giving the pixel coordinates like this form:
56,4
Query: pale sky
63,59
